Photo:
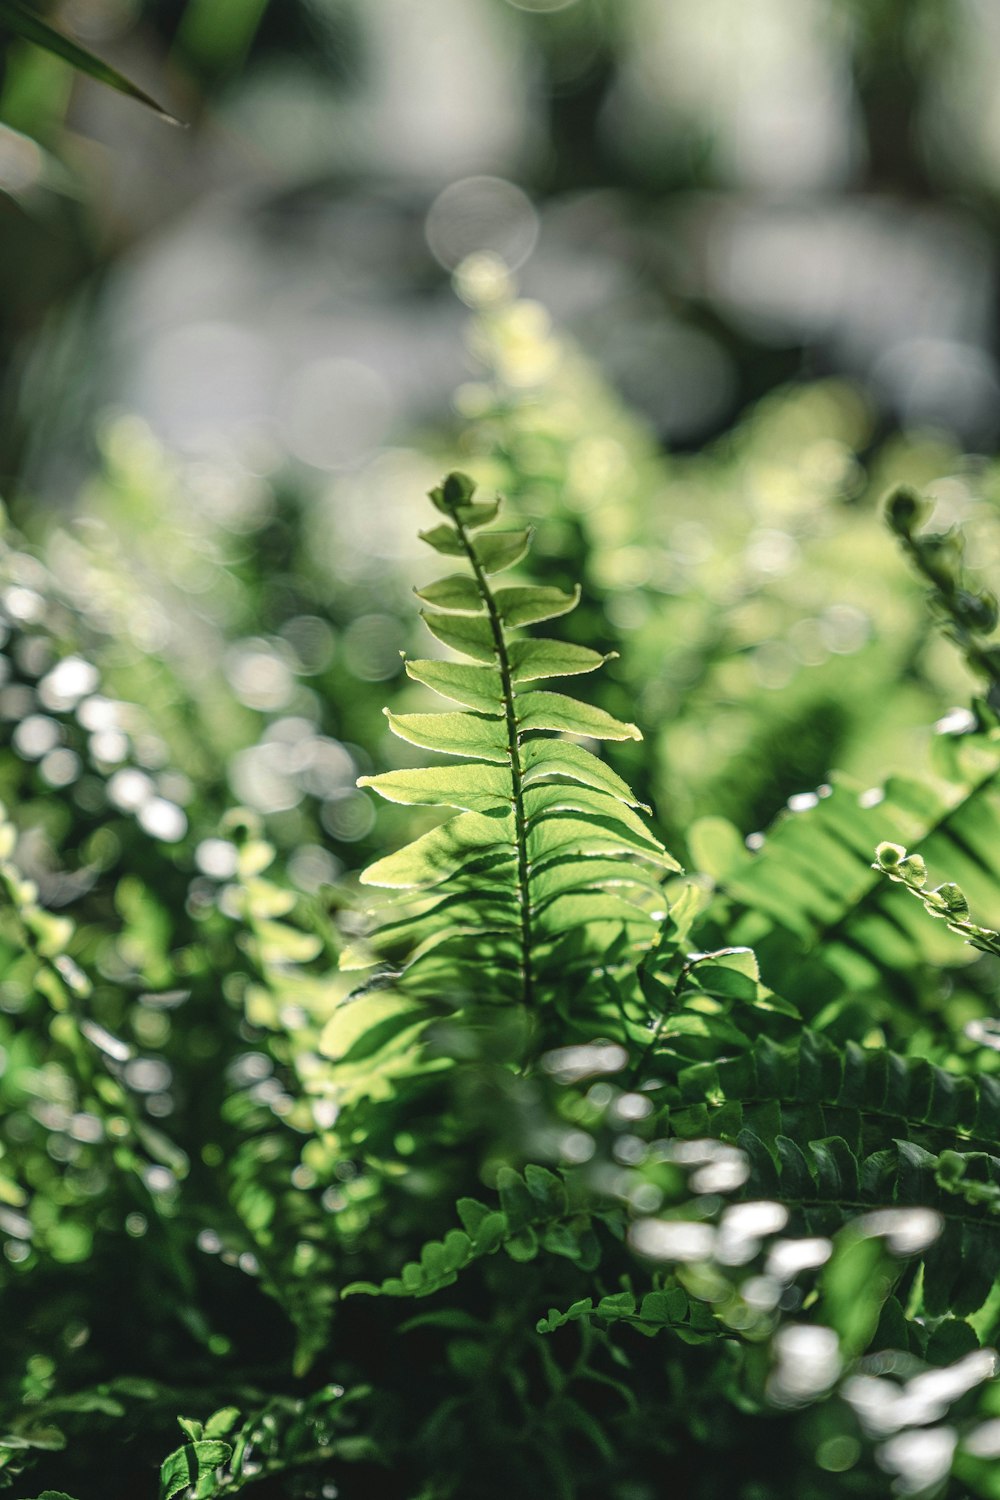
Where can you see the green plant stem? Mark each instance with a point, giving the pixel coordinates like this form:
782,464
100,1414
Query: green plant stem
514,751
953,590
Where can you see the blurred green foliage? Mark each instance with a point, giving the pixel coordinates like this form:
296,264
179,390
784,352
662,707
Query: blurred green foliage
737,1218
700,1183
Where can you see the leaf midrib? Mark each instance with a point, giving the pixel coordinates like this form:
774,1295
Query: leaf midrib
514,751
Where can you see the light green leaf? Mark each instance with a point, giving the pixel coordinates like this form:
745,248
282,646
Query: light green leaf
378,1015
541,710
578,874
497,550
480,513
716,847
439,1262
854,1284
530,660
253,858
466,967
184,1466
581,908
474,787
563,834
280,943
495,911
458,592
222,1421
20,21
528,604
574,1313
88,1401
470,634
544,758
476,687
453,734
485,950
443,850
543,801
740,960
444,539
44,1439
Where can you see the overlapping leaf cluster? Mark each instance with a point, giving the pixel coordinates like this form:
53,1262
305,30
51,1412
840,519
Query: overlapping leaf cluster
735,1125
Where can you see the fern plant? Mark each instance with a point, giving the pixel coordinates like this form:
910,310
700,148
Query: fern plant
598,1171
829,1129
546,867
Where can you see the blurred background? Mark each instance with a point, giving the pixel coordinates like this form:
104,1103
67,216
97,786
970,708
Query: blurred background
714,198
692,281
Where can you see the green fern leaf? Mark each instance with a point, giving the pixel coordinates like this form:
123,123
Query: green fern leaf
474,787
439,853
810,893
452,734
536,1212
469,634
531,604
547,864
456,592
475,687
543,710
535,659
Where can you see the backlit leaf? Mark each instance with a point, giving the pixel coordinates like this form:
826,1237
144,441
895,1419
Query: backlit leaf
184,1466
542,710
542,801
532,659
458,592
541,759
497,550
441,851
470,634
476,687
444,539
474,787
529,604
453,734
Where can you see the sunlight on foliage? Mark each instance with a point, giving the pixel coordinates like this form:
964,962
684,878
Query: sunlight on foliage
557,1166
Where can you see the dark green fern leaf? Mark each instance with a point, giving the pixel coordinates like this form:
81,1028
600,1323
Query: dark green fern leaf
538,1211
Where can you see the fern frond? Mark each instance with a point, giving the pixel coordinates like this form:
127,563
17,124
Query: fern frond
968,613
649,1314
834,1131
538,1210
811,1087
810,892
823,1181
946,902
546,842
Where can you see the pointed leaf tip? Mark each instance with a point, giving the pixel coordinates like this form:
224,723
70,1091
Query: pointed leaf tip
21,21
499,550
